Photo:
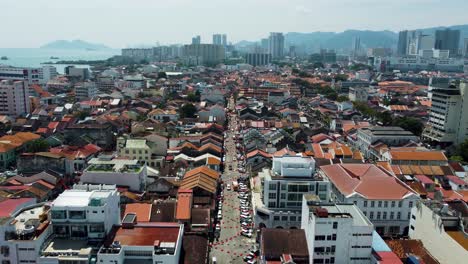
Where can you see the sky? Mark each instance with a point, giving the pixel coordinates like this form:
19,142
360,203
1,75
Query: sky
130,23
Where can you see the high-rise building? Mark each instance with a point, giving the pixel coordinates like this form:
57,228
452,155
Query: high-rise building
258,58
336,232
32,75
205,53
217,39
356,45
448,116
448,39
465,48
264,43
14,97
402,43
196,40
425,42
224,40
276,45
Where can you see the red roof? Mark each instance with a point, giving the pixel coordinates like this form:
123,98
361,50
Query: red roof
387,257
456,180
184,205
9,206
367,180
424,179
145,234
142,211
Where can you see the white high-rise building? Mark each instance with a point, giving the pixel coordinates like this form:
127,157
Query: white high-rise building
276,45
336,233
465,48
448,117
14,97
220,39
283,187
32,75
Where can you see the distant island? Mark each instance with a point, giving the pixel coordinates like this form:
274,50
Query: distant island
74,45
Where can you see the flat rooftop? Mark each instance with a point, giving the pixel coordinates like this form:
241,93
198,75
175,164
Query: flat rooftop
358,218
67,246
113,165
144,234
81,198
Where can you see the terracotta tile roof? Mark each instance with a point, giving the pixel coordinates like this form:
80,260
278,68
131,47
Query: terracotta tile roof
367,180
258,152
318,152
202,170
142,211
10,142
200,180
424,179
213,161
283,152
456,180
418,155
46,184
403,248
399,107
184,205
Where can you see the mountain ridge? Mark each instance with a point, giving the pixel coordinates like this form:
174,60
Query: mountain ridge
76,44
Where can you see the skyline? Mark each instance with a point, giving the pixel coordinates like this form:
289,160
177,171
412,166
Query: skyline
145,22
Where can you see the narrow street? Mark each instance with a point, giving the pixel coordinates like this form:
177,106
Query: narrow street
231,246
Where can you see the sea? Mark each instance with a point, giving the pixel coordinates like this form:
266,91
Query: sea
22,57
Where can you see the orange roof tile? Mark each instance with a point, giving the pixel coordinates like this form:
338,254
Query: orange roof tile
142,211
184,205
367,180
418,155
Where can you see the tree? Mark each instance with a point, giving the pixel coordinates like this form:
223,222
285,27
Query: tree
37,146
82,114
188,111
342,98
411,124
192,97
162,75
295,71
462,150
318,65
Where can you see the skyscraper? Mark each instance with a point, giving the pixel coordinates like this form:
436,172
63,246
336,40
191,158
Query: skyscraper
402,43
356,45
465,48
448,39
220,39
196,40
276,45
15,97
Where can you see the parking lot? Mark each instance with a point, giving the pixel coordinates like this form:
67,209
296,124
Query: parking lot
231,246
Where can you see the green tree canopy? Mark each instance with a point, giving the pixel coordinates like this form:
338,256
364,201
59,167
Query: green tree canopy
409,123
37,146
188,111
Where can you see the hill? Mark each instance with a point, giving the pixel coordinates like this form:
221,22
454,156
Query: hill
74,45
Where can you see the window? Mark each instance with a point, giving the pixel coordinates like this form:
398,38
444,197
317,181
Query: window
378,215
393,203
284,218
318,261
365,203
283,196
292,188
59,214
319,238
271,204
365,213
319,249
283,187
77,215
413,216
329,237
380,204
272,186
96,228
384,216
386,204
400,203
411,204
408,216
292,218
372,203
333,249
334,237
272,196
276,218
371,215
398,216
303,188
412,227
332,260
392,215
335,225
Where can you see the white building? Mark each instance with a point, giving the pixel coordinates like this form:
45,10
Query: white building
23,230
14,97
80,217
448,117
31,75
381,196
358,94
391,136
283,187
122,172
440,227
85,90
142,243
150,152
336,233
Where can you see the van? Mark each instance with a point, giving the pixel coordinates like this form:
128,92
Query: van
213,260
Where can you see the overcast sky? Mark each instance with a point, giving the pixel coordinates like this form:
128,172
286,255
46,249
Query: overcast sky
124,23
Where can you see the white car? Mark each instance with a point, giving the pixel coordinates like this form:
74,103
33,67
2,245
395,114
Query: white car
220,215
228,187
247,234
218,227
